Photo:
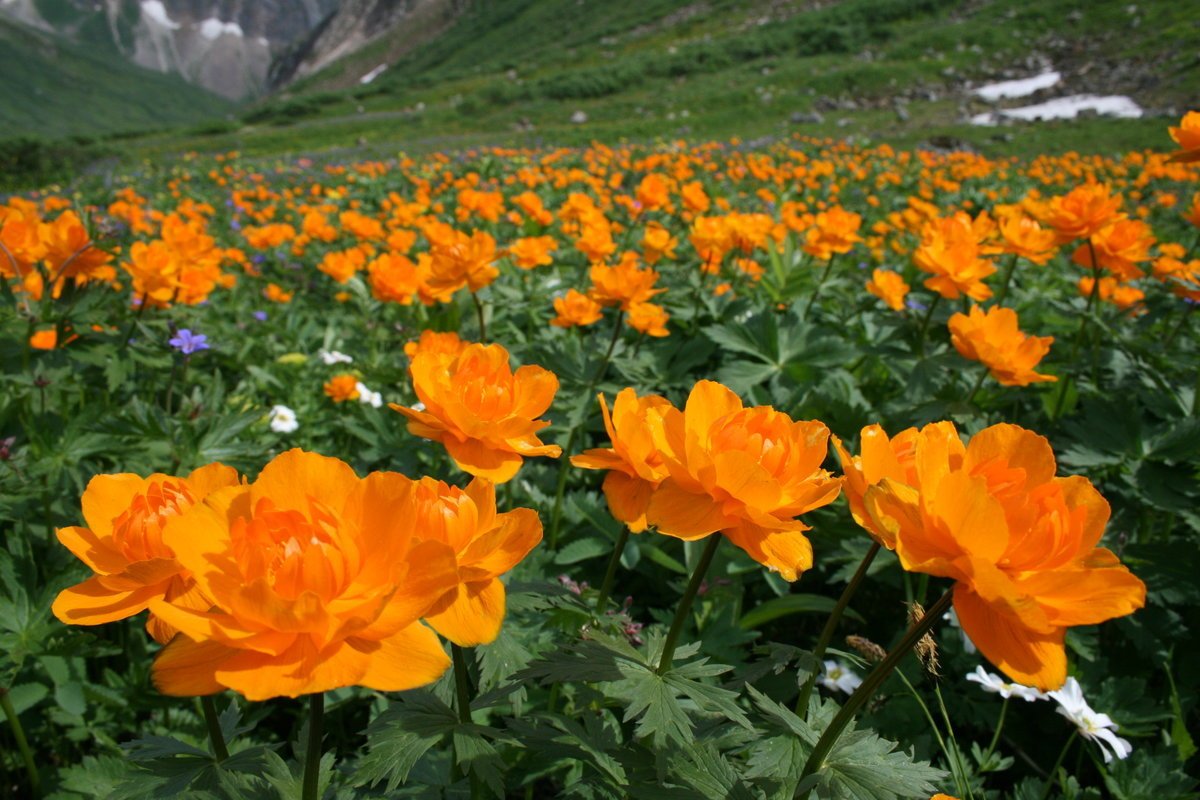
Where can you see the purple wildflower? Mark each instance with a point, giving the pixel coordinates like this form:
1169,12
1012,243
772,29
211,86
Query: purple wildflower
187,342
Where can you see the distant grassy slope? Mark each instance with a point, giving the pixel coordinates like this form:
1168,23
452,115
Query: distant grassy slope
515,71
52,87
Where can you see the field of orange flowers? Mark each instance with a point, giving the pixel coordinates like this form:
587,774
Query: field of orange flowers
691,470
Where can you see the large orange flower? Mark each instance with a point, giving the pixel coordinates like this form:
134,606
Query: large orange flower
635,465
123,544
1187,136
951,251
481,410
1020,543
1119,248
486,545
889,287
1024,236
316,582
1083,211
745,472
881,458
994,339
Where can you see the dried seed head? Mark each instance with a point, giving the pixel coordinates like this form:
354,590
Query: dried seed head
866,648
926,647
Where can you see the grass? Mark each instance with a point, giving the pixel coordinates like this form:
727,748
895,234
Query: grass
55,88
514,72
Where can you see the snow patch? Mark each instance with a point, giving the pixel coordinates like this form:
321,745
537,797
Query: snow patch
1018,88
156,12
1065,108
373,74
213,28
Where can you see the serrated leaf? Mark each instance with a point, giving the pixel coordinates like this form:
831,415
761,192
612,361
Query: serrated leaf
401,735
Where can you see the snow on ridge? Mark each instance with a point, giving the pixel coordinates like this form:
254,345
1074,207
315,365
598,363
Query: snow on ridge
156,12
1022,87
373,74
213,28
1065,108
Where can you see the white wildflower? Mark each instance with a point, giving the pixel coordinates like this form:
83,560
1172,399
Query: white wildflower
839,677
996,685
367,397
331,357
1097,727
282,419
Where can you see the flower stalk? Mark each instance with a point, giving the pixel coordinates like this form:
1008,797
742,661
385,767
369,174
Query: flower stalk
685,602
611,572
213,721
14,722
312,753
831,624
871,684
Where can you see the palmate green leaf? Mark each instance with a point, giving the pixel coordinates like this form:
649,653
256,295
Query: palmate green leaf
865,766
479,757
587,741
287,777
704,769
582,550
401,735
584,661
652,702
1149,773
96,776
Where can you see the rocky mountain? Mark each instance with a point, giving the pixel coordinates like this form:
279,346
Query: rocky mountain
224,46
393,27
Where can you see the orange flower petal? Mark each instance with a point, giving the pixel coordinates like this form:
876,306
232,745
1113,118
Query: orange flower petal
788,552
185,668
93,603
409,658
89,548
683,514
1034,659
471,613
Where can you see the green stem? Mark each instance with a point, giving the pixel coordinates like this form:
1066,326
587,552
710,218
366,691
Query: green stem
133,323
14,721
312,755
462,689
999,727
978,384
612,345
1079,335
685,602
479,313
213,721
1062,755
937,298
872,683
817,292
831,624
1008,275
560,490
611,572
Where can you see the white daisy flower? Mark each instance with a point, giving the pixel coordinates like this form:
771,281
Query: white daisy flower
331,357
996,685
839,677
1097,727
367,397
282,419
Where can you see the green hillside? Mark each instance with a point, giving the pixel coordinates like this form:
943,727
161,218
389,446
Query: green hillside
517,71
54,88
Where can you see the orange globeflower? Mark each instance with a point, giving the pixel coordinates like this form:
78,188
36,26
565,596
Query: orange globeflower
889,287
123,544
575,308
649,318
744,472
460,260
483,412
44,340
658,243
833,231
394,278
881,458
431,342
277,294
993,339
1020,544
533,251
315,580
341,388
635,465
1083,211
1119,248
486,545
1121,295
950,250
1192,215
1024,236
1187,136
625,284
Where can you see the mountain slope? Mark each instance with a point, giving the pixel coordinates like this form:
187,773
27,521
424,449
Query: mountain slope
53,87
